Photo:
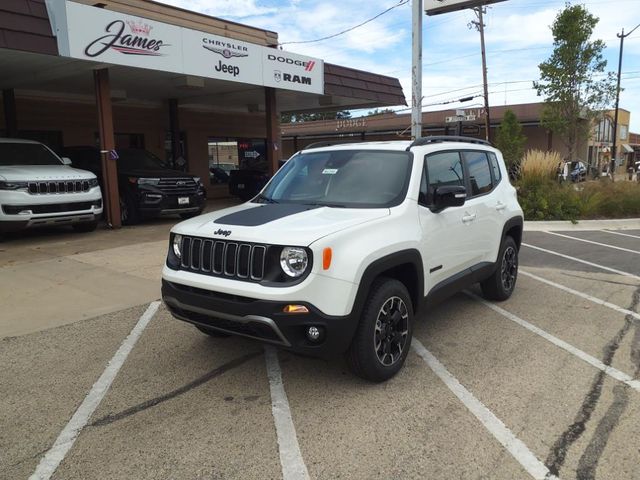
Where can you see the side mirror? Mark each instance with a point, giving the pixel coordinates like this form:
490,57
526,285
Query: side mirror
448,196
66,161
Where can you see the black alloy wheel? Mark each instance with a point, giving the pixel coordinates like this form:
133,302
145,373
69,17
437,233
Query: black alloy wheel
501,284
381,343
392,329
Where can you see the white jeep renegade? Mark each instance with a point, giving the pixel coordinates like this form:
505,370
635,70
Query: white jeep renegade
345,244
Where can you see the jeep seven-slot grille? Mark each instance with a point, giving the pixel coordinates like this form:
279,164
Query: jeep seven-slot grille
178,186
62,186
243,261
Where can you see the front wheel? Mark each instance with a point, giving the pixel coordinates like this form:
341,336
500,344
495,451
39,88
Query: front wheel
382,340
501,284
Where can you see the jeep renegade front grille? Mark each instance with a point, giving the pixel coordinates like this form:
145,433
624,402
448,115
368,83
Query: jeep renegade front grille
62,186
243,261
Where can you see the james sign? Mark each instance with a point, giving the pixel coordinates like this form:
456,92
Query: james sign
435,7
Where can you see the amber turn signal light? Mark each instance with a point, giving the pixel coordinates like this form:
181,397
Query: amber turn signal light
295,309
326,258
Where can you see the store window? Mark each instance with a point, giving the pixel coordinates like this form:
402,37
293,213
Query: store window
227,154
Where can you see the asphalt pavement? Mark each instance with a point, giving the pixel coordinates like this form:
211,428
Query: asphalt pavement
545,384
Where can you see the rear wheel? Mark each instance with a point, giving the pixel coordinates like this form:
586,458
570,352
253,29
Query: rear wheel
501,284
211,332
85,227
382,340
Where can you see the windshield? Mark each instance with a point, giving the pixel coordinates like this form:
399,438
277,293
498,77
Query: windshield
138,159
342,178
26,154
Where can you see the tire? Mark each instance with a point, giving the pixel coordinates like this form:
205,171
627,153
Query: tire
129,213
85,227
212,333
500,285
392,333
186,216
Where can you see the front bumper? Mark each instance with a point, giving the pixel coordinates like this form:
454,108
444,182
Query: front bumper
153,204
262,320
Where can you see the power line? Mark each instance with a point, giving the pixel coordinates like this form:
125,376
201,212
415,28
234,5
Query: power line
399,4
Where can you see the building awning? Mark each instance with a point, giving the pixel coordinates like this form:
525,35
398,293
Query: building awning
627,148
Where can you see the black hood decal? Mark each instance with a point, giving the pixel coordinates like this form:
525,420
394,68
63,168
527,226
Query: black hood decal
252,217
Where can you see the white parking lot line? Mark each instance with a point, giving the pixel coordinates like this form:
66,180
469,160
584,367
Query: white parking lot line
54,456
591,264
493,424
585,357
293,467
620,233
593,243
604,303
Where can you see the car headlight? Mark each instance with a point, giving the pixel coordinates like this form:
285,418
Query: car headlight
294,261
177,245
93,182
13,185
148,181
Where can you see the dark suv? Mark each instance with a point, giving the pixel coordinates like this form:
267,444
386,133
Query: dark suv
148,186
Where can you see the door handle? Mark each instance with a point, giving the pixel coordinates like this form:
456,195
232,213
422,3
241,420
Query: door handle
468,218
500,206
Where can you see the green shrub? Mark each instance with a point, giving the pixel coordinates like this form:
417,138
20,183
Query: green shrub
549,200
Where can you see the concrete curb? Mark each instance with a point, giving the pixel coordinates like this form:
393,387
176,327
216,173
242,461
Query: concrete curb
622,224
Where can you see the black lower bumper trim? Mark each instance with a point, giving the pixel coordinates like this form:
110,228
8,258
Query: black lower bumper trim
260,319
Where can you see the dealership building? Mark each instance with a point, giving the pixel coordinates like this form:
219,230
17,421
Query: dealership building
185,86
470,122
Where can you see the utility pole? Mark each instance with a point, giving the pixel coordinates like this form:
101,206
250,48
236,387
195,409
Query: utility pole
479,25
614,149
416,70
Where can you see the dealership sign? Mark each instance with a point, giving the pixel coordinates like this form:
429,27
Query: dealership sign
105,36
435,7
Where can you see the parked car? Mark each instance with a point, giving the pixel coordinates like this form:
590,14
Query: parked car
246,184
578,171
346,244
38,188
147,186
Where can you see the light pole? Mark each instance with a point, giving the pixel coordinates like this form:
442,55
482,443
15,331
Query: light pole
416,71
614,149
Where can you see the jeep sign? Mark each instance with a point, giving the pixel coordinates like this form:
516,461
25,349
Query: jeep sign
435,7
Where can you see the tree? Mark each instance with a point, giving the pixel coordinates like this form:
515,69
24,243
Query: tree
378,111
571,79
510,140
310,117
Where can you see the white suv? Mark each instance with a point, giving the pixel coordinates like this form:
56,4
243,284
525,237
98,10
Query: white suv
38,188
345,244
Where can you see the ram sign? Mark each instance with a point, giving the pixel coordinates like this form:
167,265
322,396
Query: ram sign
435,7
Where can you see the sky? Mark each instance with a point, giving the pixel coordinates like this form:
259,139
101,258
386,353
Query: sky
518,38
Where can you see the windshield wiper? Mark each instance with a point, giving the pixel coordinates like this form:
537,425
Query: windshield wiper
330,205
264,199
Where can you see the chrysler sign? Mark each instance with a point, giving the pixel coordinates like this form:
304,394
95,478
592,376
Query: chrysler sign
435,7
106,36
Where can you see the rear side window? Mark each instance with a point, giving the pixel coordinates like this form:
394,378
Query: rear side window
443,169
495,166
479,172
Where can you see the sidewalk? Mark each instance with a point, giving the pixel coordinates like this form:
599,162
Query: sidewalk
624,224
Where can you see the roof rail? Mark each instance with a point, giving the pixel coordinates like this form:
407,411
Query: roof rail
418,142
328,143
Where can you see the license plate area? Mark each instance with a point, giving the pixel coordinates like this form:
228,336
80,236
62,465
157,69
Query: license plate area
183,200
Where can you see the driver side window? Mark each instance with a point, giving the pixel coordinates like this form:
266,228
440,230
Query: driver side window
441,169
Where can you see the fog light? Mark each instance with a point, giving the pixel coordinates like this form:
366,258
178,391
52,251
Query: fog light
314,334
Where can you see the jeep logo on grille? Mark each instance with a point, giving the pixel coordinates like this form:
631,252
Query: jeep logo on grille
224,233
